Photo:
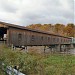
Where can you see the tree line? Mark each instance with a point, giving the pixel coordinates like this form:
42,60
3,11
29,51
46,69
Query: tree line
59,29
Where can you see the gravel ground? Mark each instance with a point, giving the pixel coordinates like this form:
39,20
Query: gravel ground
72,51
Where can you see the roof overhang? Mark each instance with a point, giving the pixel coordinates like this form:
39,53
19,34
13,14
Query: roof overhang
4,26
7,25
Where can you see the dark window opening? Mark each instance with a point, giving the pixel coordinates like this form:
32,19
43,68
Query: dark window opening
64,40
57,39
61,40
32,38
70,40
20,36
42,37
48,38
3,33
54,39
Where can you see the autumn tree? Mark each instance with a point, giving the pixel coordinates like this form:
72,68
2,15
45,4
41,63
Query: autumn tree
69,30
59,29
34,26
45,27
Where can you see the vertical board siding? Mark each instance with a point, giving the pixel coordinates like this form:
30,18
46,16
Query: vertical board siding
38,39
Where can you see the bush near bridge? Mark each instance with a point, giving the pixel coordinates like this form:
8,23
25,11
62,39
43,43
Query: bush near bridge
38,64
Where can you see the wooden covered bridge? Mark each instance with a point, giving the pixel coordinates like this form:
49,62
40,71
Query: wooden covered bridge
20,36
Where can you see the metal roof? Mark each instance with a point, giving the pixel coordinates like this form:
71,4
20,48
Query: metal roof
25,28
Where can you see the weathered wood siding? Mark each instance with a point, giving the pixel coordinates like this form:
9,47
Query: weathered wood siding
22,37
19,37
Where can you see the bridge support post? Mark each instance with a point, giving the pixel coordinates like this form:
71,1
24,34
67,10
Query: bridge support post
13,47
44,48
59,48
72,46
25,48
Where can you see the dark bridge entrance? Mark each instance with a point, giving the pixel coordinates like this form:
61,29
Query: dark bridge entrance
3,34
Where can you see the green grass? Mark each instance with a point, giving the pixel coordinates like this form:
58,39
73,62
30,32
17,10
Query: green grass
38,64
2,73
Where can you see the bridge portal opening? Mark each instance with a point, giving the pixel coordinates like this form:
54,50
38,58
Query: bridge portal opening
3,34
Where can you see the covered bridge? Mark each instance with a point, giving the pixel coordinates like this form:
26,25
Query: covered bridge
22,36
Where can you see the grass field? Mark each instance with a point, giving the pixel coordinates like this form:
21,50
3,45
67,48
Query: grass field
38,64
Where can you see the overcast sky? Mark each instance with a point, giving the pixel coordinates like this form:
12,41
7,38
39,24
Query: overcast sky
25,12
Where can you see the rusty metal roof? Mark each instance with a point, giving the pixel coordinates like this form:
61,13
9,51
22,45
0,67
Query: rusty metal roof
25,28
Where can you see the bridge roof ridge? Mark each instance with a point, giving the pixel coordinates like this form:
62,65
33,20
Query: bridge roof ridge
29,29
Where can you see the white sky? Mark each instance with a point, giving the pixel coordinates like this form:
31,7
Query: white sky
25,12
